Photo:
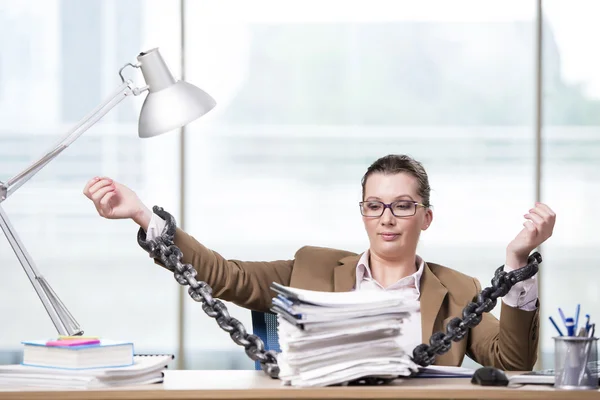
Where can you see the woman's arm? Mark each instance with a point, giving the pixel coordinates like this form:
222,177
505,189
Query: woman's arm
509,343
245,283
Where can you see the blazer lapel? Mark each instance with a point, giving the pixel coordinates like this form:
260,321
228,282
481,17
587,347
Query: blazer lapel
432,291
432,296
344,275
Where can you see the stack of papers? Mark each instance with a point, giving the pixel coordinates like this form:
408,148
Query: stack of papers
333,338
145,369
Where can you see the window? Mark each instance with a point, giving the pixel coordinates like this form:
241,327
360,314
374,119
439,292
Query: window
570,164
311,93
54,69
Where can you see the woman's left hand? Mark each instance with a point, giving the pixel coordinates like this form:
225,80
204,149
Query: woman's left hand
537,229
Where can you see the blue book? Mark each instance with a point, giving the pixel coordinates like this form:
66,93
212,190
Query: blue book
106,354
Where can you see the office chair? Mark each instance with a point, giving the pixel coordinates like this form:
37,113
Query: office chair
264,325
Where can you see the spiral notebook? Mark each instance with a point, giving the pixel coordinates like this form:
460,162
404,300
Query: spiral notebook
146,368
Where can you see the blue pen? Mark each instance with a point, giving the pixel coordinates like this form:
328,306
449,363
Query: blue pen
570,327
577,316
562,316
587,322
556,326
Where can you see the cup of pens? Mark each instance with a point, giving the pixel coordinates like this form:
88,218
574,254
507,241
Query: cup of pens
575,355
575,362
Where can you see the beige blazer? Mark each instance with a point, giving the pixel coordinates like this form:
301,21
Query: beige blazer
509,343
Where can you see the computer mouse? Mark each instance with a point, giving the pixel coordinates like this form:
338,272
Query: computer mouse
489,376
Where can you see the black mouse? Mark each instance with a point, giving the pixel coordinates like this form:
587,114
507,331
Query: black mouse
489,376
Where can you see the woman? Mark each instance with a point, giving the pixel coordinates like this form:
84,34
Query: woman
395,209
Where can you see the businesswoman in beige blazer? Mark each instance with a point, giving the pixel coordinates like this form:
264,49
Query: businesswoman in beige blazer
395,210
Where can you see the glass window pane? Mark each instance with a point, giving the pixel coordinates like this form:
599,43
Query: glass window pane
311,93
60,59
571,163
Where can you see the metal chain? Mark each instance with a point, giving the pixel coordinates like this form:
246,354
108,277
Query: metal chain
163,248
440,342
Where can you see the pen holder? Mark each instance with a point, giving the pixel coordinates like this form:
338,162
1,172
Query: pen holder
575,363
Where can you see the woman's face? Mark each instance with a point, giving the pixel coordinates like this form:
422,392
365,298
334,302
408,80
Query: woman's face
389,236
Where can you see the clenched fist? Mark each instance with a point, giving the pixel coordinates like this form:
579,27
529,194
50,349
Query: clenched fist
537,229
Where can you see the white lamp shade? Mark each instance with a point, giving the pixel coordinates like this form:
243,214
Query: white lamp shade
172,108
169,104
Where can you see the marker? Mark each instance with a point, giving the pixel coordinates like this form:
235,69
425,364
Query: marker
587,322
577,316
556,326
562,316
570,327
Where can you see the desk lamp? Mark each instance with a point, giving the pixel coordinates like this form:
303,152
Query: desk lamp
169,105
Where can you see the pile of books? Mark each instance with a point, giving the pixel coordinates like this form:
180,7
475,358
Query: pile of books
83,363
335,338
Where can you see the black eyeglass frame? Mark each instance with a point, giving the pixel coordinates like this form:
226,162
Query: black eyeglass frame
390,206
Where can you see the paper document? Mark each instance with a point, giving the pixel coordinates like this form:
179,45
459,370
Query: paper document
145,369
332,338
440,371
340,299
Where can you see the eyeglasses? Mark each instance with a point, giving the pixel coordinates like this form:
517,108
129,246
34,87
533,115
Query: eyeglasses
400,208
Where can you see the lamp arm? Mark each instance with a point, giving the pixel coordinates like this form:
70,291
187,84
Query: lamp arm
62,319
86,123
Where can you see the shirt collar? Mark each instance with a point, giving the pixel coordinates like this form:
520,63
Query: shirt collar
363,272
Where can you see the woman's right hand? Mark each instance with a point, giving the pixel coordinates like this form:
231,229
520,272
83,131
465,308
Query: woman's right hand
116,201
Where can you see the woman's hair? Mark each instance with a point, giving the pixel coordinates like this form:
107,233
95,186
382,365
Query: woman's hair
399,163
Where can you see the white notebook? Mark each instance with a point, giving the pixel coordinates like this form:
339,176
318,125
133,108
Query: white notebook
106,354
142,365
76,382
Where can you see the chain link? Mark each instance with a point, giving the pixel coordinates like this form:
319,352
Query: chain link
163,248
440,342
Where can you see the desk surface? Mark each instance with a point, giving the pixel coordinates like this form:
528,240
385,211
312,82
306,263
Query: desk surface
256,385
